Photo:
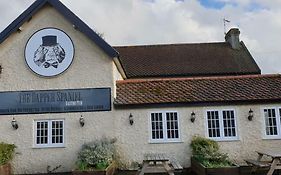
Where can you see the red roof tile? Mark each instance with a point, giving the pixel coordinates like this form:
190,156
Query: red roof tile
196,59
223,89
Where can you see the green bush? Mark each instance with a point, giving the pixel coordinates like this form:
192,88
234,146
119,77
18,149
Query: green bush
96,155
6,152
206,152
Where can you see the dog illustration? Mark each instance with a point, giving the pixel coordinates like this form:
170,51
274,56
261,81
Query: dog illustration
50,53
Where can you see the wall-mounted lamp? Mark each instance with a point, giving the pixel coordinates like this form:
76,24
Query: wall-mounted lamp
192,117
20,29
82,121
14,124
74,26
131,119
251,115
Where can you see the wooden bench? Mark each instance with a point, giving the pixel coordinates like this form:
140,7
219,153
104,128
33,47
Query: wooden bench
176,165
260,164
257,165
159,163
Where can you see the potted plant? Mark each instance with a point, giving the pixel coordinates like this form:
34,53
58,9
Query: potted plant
96,158
207,160
6,155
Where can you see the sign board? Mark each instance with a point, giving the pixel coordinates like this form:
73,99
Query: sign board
55,101
49,52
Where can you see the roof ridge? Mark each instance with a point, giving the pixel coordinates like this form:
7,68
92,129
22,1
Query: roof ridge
167,44
198,78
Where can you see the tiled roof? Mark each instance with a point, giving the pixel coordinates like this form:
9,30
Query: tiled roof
175,60
246,88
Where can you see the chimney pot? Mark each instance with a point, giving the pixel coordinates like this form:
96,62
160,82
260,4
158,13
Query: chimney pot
232,37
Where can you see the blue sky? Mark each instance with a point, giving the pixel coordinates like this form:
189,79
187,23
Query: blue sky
217,4
212,4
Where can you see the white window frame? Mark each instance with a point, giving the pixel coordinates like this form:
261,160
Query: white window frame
278,123
165,137
49,144
222,137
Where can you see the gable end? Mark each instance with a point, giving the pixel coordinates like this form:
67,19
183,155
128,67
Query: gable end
65,12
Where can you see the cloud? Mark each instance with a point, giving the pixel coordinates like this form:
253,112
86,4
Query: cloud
131,22
10,10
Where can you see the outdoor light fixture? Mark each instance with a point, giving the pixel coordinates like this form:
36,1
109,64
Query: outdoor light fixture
192,117
14,124
20,29
131,119
251,115
74,26
82,121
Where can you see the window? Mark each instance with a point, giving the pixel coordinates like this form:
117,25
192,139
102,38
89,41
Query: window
221,125
49,133
164,126
272,122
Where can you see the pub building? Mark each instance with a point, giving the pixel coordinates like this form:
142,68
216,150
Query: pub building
56,70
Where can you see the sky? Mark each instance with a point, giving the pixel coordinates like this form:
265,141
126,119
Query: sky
139,22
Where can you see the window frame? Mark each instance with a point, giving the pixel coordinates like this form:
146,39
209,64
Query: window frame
278,123
165,137
49,140
221,127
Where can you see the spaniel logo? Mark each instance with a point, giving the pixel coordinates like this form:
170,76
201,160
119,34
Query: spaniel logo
49,52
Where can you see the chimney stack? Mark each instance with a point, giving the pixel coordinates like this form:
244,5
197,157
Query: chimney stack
232,37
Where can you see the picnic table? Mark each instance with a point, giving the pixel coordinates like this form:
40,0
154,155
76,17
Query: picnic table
274,164
159,163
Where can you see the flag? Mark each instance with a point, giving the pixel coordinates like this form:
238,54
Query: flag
225,20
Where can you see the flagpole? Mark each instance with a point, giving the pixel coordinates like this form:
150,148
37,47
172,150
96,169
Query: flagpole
224,24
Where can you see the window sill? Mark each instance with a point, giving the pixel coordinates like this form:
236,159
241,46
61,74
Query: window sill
272,138
48,146
164,142
225,140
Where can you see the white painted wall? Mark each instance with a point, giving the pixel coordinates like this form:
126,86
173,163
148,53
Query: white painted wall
133,141
91,68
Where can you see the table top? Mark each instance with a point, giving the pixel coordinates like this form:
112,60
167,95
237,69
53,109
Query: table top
156,157
271,153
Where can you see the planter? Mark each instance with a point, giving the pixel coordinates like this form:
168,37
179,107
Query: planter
246,170
199,169
110,170
5,169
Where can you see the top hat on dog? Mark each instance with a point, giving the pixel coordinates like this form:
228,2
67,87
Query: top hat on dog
49,40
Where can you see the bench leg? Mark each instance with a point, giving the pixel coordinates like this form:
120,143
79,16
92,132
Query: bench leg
168,168
145,165
272,167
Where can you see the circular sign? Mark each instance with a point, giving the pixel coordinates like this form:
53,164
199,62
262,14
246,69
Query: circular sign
49,52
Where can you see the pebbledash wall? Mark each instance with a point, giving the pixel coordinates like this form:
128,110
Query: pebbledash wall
92,68
134,141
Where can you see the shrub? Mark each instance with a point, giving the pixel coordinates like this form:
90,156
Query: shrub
206,151
96,155
6,152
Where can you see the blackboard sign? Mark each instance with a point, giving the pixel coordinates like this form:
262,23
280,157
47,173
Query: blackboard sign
55,101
